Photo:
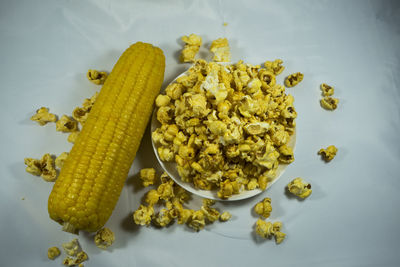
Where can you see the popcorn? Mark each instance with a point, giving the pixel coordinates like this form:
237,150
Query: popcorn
80,257
327,90
72,248
73,136
43,116
43,167
299,188
286,154
96,77
329,153
162,100
220,49
163,218
274,66
197,220
192,46
329,103
152,197
148,176
104,238
293,79
53,253
61,159
66,124
143,215
268,229
263,207
80,114
225,216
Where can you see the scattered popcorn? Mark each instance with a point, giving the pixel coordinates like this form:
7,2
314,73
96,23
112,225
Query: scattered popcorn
72,248
80,115
192,46
267,230
148,176
43,167
220,49
299,188
329,153
197,221
225,216
80,257
73,136
263,207
143,215
89,102
294,79
53,253
274,66
152,197
104,238
61,159
327,90
163,218
97,77
43,116
329,103
66,124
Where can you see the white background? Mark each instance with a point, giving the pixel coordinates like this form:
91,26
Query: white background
352,217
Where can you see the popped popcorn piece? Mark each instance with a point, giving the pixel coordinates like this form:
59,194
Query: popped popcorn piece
210,214
184,215
329,103
80,115
72,248
268,230
220,49
152,197
163,218
73,136
252,184
89,102
80,257
66,124
294,79
162,100
225,216
96,77
166,190
61,159
329,153
143,215
208,202
43,116
43,167
274,66
299,188
148,176
197,221
104,238
263,207
327,90
192,46
286,154
279,237
53,253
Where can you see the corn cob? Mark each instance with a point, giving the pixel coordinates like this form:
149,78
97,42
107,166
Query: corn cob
95,171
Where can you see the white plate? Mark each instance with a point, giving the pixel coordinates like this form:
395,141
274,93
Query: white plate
170,168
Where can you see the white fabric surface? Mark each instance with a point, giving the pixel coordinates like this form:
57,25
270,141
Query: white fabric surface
351,218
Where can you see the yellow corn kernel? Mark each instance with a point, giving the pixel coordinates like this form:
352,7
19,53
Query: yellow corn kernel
94,173
96,77
43,116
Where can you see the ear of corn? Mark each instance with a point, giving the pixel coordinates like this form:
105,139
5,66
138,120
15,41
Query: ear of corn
95,171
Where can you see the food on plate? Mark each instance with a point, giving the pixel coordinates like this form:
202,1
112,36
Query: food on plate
94,173
66,124
221,50
328,153
329,103
96,77
226,127
104,238
299,188
327,90
263,207
43,116
43,167
294,79
53,253
192,46
268,230
274,66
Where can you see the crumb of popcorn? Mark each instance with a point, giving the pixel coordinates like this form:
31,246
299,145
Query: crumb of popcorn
43,116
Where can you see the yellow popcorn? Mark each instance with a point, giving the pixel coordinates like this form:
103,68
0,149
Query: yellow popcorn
143,215
286,154
329,103
267,79
263,207
329,153
73,136
210,214
165,154
104,238
220,49
225,216
293,79
72,248
208,202
89,102
264,229
148,176
184,215
80,115
274,66
152,197
279,237
252,184
96,77
162,100
299,188
66,124
197,221
227,189
61,159
164,114
165,190
80,257
53,253
327,90
256,128
43,167
192,46
43,116
163,218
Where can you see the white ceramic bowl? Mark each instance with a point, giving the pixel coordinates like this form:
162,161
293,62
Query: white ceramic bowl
170,168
